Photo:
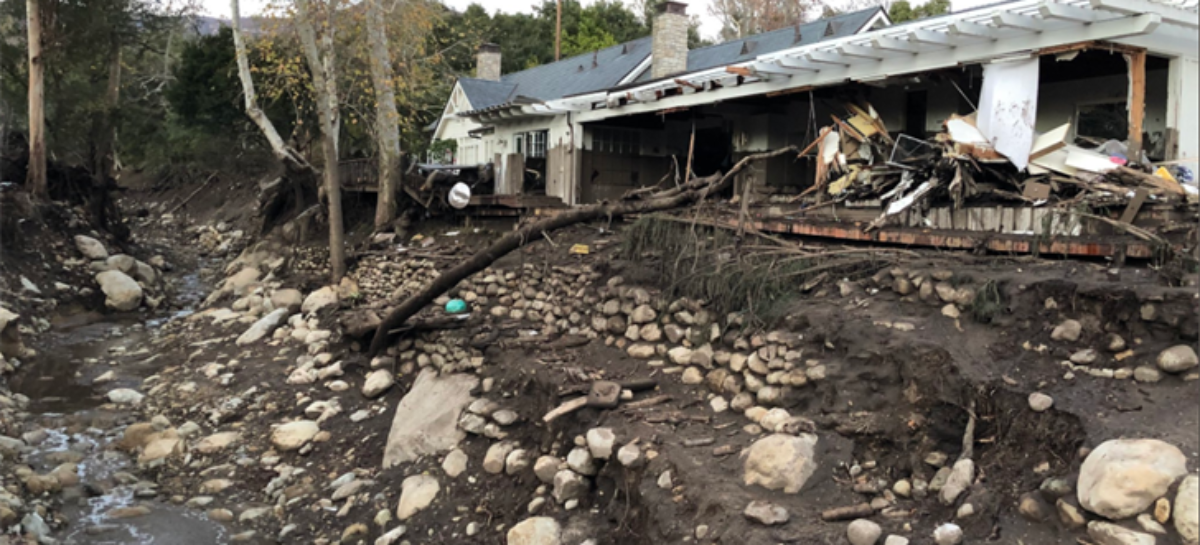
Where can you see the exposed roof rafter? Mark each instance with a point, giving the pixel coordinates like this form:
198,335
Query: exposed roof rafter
1015,20
972,30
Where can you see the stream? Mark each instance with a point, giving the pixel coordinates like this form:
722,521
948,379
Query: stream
113,504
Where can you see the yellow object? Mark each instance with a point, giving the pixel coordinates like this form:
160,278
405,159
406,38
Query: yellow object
840,185
1165,174
579,249
417,237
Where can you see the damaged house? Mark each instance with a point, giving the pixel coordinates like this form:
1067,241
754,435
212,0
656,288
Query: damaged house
1018,120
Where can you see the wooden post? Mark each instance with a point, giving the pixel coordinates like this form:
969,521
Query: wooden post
558,30
1137,101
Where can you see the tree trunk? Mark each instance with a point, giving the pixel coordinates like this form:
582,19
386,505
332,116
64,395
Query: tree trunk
693,190
104,127
35,178
290,158
321,66
387,120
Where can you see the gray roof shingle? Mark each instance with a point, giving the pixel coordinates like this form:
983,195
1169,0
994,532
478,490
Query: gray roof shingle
604,69
582,73
484,93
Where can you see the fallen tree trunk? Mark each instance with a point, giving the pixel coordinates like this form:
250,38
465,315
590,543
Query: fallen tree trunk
691,191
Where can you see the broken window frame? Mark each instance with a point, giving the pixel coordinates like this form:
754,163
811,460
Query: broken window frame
620,141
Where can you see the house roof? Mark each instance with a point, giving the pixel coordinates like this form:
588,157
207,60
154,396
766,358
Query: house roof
608,67
747,48
582,73
483,94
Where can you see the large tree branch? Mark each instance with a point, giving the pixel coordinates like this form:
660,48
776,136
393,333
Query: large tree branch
284,153
691,191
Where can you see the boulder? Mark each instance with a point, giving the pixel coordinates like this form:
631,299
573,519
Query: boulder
125,396
426,420
90,248
1177,359
159,449
962,475
569,485
264,326
378,382
145,273
766,513
416,493
1123,477
863,532
287,298
7,317
217,442
320,299
455,463
780,462
121,292
1187,510
293,435
1107,533
1069,330
121,262
535,531
600,442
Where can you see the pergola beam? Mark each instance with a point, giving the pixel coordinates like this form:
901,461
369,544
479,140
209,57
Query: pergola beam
1054,10
972,30
892,44
1018,21
861,52
930,37
824,57
1170,15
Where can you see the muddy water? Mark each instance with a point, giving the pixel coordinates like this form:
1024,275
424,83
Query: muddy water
66,401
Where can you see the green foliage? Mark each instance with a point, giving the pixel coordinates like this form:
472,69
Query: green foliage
590,36
206,90
902,11
989,302
527,40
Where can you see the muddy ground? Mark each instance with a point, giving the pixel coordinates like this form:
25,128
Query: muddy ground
884,372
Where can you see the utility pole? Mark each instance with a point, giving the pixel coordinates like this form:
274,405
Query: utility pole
558,30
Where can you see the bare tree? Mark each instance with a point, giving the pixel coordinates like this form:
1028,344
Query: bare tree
36,174
741,18
291,159
387,119
321,65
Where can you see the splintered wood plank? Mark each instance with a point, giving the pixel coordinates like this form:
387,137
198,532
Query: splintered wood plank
1137,99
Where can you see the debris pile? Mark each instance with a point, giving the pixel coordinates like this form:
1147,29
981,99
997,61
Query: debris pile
858,162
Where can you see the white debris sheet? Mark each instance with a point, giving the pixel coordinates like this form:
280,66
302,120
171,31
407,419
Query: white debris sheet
1008,108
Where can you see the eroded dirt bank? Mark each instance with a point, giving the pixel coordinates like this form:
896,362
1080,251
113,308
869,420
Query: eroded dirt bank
260,413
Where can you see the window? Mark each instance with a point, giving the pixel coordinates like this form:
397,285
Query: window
617,141
532,144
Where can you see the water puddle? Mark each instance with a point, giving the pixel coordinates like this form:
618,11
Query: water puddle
114,506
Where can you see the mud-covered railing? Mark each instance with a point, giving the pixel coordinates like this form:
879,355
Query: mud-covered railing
358,174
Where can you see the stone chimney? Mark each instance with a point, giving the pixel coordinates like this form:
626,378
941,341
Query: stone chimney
670,35
487,62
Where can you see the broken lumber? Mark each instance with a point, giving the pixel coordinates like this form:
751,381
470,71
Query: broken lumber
566,408
848,512
691,191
